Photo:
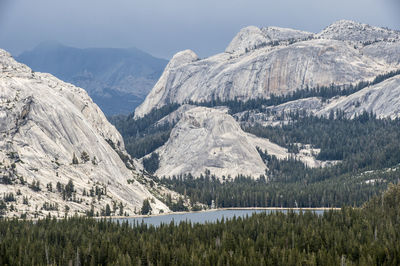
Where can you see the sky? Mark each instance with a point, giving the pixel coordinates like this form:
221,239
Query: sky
164,27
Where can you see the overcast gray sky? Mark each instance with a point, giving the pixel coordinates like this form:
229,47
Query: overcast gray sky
164,27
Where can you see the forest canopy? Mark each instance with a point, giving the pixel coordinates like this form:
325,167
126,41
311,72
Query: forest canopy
364,236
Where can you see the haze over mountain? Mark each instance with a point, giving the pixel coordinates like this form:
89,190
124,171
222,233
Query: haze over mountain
51,133
117,79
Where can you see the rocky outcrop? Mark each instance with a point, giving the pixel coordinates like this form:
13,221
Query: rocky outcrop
51,132
210,139
347,30
261,62
251,38
382,99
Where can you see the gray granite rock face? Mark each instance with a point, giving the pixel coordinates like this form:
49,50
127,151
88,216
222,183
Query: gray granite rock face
210,139
347,30
44,122
253,66
382,99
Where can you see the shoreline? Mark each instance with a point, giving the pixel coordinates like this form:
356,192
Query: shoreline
188,212
222,209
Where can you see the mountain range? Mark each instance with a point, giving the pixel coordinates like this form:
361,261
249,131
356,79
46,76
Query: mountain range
310,113
270,74
261,62
116,79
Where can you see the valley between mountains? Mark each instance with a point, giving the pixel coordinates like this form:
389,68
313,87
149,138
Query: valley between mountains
282,117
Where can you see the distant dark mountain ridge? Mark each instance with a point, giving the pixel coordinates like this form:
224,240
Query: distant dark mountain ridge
117,79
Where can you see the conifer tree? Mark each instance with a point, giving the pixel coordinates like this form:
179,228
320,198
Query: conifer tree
146,208
74,159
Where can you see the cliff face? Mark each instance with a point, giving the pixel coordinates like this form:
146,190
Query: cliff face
261,62
44,123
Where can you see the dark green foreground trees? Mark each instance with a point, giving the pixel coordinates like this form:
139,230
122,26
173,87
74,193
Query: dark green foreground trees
366,236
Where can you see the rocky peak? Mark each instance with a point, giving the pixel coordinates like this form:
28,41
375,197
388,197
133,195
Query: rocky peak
247,39
278,34
182,58
288,60
252,37
347,30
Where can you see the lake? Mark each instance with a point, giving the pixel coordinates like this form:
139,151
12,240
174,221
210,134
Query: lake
197,217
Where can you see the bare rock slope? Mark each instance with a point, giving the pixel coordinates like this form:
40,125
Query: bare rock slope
382,99
261,62
44,123
210,139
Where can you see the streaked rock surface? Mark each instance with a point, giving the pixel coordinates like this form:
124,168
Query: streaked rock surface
210,139
43,123
261,62
382,99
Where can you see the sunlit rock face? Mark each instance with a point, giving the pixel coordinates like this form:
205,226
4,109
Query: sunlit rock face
44,123
382,99
264,61
209,139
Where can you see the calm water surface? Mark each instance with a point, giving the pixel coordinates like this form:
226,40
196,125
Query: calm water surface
198,217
